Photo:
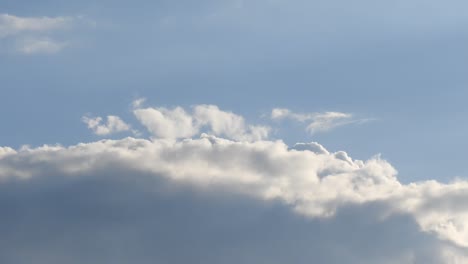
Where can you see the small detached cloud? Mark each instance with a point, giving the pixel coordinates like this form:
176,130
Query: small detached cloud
114,124
36,35
176,122
319,121
11,25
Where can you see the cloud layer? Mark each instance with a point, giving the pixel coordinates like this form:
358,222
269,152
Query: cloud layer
334,195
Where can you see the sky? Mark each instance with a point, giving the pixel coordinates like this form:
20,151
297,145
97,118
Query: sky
229,131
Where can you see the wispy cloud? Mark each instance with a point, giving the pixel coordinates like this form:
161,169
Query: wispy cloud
14,25
318,121
36,35
39,45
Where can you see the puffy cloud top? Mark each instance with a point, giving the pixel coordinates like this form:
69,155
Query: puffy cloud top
178,123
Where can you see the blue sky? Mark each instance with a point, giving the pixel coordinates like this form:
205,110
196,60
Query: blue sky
399,68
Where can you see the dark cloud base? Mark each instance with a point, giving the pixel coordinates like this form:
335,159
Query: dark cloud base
119,217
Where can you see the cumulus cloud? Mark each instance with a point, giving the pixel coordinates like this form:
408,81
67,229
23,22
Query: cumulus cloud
114,124
167,123
317,122
34,35
346,202
312,181
228,124
178,123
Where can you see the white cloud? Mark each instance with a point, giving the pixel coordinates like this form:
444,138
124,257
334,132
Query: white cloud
167,123
178,123
228,124
43,45
113,125
317,122
326,121
33,35
283,113
13,25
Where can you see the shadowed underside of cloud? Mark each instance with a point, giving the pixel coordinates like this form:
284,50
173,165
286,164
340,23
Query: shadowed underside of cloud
209,199
112,217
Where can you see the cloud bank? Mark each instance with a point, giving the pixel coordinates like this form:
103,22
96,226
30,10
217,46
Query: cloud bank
250,200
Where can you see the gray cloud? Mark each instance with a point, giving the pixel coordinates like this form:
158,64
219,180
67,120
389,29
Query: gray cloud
119,216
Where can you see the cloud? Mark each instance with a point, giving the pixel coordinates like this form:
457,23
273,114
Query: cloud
35,46
118,216
36,35
113,125
178,123
167,123
318,122
311,181
228,124
14,25
221,195
314,184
